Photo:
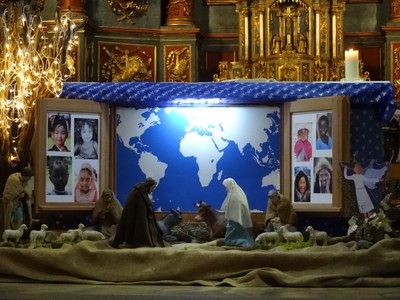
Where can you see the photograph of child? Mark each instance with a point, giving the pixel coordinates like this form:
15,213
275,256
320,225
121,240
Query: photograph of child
324,129
323,175
58,132
302,190
303,147
86,139
59,180
86,184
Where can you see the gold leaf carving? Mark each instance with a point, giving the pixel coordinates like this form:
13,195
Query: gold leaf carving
126,10
396,70
288,72
125,65
178,63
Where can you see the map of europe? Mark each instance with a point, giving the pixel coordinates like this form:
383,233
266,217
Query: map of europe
191,150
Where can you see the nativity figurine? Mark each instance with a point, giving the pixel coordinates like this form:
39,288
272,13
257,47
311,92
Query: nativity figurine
106,213
17,200
281,207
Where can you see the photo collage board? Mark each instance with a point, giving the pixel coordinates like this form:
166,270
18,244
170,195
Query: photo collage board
311,155
72,157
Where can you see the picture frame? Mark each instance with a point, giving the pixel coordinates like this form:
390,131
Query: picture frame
72,151
320,164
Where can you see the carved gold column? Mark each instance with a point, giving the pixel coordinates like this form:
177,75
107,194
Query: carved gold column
246,36
394,11
337,56
243,33
317,30
334,35
261,12
180,13
395,66
340,41
256,42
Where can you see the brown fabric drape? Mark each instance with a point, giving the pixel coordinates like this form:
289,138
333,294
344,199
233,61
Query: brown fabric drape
338,265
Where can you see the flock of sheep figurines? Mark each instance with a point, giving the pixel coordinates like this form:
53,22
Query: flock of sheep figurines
284,233
281,234
37,237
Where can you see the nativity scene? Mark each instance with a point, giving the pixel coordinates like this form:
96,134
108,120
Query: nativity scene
123,170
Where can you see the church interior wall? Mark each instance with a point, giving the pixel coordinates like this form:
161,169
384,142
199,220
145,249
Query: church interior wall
216,33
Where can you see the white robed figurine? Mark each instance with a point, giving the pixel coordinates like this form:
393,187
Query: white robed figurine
237,212
363,178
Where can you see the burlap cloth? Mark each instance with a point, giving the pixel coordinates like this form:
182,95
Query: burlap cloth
338,265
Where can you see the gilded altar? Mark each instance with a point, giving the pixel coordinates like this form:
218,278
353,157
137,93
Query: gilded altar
288,40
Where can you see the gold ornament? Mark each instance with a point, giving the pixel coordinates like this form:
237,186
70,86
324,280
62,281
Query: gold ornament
127,10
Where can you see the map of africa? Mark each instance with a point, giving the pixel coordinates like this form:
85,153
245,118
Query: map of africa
191,150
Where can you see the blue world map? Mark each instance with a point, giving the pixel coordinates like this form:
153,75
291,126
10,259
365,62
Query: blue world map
191,150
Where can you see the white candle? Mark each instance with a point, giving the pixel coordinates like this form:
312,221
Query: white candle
351,65
288,38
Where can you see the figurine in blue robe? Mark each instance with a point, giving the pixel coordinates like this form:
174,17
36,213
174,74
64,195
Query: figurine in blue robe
238,215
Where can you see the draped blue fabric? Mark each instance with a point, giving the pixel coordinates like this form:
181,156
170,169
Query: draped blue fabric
372,103
378,95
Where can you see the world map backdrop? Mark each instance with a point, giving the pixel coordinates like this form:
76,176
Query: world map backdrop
191,150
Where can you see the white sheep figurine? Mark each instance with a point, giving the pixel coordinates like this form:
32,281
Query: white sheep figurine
290,236
80,229
352,225
14,234
276,223
92,235
316,236
38,235
268,237
70,236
